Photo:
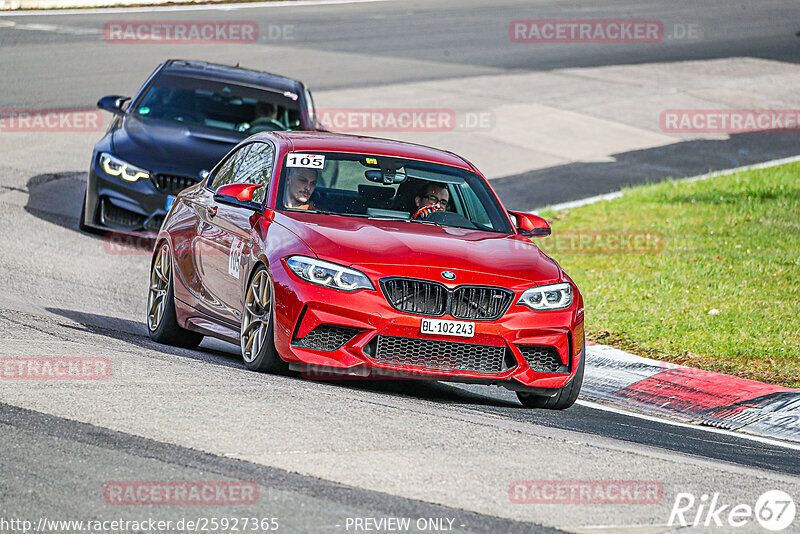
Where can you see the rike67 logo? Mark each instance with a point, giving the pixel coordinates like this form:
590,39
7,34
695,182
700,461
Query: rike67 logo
774,510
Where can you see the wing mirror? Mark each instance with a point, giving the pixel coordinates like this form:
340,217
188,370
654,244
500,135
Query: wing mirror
113,103
238,195
530,225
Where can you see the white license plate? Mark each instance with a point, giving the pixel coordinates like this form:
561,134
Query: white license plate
170,200
447,328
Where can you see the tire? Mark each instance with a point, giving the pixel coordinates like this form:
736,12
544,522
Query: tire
257,330
162,322
565,397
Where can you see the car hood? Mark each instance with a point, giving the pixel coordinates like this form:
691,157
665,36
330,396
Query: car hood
391,248
171,147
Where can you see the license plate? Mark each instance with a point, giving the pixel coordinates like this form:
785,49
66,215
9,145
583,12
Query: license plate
170,200
447,328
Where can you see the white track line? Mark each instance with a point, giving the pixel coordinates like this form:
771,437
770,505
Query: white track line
713,430
610,196
67,30
172,9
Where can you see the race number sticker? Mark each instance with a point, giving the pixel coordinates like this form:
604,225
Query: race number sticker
310,161
235,258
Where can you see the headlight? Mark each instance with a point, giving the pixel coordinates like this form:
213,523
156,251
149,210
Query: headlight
552,297
328,274
116,167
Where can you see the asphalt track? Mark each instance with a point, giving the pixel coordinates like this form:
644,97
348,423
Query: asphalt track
324,452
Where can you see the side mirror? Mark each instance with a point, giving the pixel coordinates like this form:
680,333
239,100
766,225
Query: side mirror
238,195
113,103
530,225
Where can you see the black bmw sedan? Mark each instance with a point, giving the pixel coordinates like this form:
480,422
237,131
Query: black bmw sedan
183,120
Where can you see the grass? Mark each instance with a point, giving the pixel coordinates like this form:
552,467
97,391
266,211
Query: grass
715,281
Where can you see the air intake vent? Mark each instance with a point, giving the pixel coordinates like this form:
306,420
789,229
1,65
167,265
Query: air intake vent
327,337
543,359
447,355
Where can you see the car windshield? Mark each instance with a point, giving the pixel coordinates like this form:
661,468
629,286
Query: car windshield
219,105
381,187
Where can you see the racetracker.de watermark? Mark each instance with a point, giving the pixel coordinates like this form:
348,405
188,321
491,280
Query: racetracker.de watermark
621,242
180,493
50,120
586,31
403,120
194,32
54,368
314,372
729,120
586,492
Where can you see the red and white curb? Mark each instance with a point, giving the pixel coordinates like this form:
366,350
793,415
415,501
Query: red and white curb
690,395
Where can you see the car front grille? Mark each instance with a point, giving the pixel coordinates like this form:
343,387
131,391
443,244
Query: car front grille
543,359
327,337
172,185
416,296
480,303
447,355
115,216
421,297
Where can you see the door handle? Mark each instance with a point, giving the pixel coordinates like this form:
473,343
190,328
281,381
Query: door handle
211,212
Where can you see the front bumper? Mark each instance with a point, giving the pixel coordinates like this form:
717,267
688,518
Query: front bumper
114,204
329,334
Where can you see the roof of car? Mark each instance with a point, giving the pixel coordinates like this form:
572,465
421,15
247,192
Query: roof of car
203,69
336,142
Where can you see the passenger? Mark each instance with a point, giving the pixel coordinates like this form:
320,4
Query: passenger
433,196
300,185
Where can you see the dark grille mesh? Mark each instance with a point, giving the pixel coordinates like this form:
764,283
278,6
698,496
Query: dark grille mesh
415,296
440,354
119,217
172,185
482,303
154,224
543,359
430,298
326,337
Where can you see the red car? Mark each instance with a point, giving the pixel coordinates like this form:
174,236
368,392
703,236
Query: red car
349,256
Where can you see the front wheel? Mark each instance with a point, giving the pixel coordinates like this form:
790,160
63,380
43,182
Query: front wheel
162,322
257,337
565,397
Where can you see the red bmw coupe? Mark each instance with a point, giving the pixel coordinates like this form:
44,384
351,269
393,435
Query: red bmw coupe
355,256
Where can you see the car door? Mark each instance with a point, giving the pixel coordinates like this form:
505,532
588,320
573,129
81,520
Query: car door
228,233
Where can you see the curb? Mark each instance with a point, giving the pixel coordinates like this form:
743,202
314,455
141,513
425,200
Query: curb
690,395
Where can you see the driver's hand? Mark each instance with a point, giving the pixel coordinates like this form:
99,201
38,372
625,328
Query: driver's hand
422,213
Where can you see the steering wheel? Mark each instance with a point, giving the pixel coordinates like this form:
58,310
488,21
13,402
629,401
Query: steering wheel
423,212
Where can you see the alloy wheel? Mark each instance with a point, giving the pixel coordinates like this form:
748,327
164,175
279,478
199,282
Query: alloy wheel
256,316
159,285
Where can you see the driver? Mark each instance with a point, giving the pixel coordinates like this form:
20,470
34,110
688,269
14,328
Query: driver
265,118
300,185
433,196
265,112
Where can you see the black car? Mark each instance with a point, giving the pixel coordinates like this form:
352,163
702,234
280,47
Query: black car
183,120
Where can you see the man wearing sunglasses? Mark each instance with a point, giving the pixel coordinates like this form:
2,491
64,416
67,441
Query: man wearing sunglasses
432,197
